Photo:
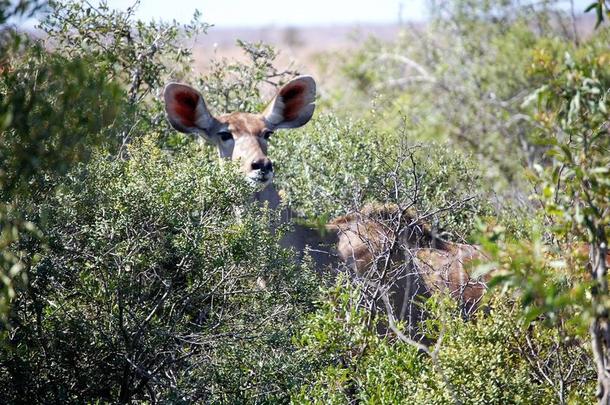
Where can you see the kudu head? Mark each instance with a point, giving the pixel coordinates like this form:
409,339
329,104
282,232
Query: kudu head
242,136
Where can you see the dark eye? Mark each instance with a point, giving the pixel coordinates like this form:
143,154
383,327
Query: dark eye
267,134
225,135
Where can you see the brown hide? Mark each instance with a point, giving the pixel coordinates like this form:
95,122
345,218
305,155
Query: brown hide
449,271
386,246
379,230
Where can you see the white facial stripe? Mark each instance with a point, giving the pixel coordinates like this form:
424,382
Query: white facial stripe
241,145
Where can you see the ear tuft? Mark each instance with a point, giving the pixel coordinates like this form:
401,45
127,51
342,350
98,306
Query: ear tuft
186,110
293,106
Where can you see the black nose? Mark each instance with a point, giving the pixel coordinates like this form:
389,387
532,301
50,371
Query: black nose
264,165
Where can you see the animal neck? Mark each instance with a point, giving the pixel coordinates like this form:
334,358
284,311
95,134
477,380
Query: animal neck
300,237
269,195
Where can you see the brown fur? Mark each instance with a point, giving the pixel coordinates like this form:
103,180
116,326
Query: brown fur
450,271
370,234
366,234
241,124
247,130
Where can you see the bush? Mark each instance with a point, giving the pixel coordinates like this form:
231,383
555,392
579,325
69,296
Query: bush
462,78
493,358
333,166
141,272
42,136
152,288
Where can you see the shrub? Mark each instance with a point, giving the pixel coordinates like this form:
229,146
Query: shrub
333,166
42,136
492,358
151,288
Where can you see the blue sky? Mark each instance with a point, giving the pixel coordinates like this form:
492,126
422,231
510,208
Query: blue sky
254,13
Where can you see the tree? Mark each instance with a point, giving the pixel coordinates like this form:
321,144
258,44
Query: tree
572,109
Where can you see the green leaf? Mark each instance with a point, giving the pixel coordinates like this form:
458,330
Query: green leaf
534,96
574,108
532,314
591,6
6,120
600,14
602,106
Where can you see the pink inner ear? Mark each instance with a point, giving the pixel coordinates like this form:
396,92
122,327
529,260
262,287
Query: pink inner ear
184,107
293,97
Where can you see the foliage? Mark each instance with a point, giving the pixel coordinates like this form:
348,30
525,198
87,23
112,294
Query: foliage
136,268
573,109
459,88
140,273
42,135
600,6
142,56
489,359
532,95
574,180
149,278
236,86
334,166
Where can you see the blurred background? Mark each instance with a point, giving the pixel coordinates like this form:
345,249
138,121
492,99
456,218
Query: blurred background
303,31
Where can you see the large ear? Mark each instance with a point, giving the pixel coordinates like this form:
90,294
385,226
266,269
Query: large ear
293,105
186,109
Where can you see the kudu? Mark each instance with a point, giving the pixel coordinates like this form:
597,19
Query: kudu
403,260
243,137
